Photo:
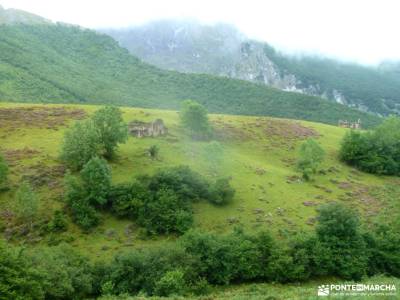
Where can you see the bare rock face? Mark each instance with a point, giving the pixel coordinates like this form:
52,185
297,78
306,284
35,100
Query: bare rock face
142,129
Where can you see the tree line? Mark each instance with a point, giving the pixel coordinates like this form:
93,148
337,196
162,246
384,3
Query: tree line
340,247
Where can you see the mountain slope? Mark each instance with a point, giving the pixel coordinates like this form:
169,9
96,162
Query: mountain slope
16,16
188,46
58,63
258,153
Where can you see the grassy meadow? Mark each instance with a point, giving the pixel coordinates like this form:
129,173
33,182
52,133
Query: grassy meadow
271,291
259,154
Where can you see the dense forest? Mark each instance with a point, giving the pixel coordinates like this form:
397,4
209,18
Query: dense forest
64,64
374,89
221,49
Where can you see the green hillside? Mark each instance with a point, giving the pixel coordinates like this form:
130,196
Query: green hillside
220,49
64,64
372,88
16,16
258,153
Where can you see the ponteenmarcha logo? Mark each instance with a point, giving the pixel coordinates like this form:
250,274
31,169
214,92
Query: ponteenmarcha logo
358,289
323,290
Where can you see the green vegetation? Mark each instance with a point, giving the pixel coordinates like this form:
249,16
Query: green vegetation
311,156
112,130
201,259
3,172
271,202
26,203
81,143
153,151
66,64
376,152
100,135
362,86
340,248
59,222
194,119
96,179
18,279
220,49
221,192
83,213
162,203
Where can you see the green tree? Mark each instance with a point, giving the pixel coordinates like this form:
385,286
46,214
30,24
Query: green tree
26,203
311,156
3,171
194,118
18,279
383,244
377,151
111,129
96,178
66,273
222,192
83,213
81,143
340,249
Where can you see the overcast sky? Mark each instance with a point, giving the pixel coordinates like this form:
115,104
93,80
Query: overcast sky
366,31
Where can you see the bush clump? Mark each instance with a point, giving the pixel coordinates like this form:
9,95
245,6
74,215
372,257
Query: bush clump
375,152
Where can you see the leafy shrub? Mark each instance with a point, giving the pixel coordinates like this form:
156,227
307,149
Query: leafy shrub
374,152
153,151
172,283
236,257
311,156
92,190
83,213
187,184
222,192
340,249
165,212
59,222
18,279
383,246
66,274
127,199
151,271
96,178
162,203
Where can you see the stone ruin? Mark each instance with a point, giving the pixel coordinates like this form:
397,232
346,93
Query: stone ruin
147,129
352,125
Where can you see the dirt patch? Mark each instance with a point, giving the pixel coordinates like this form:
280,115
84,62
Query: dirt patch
38,117
40,175
345,185
287,129
12,156
227,132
